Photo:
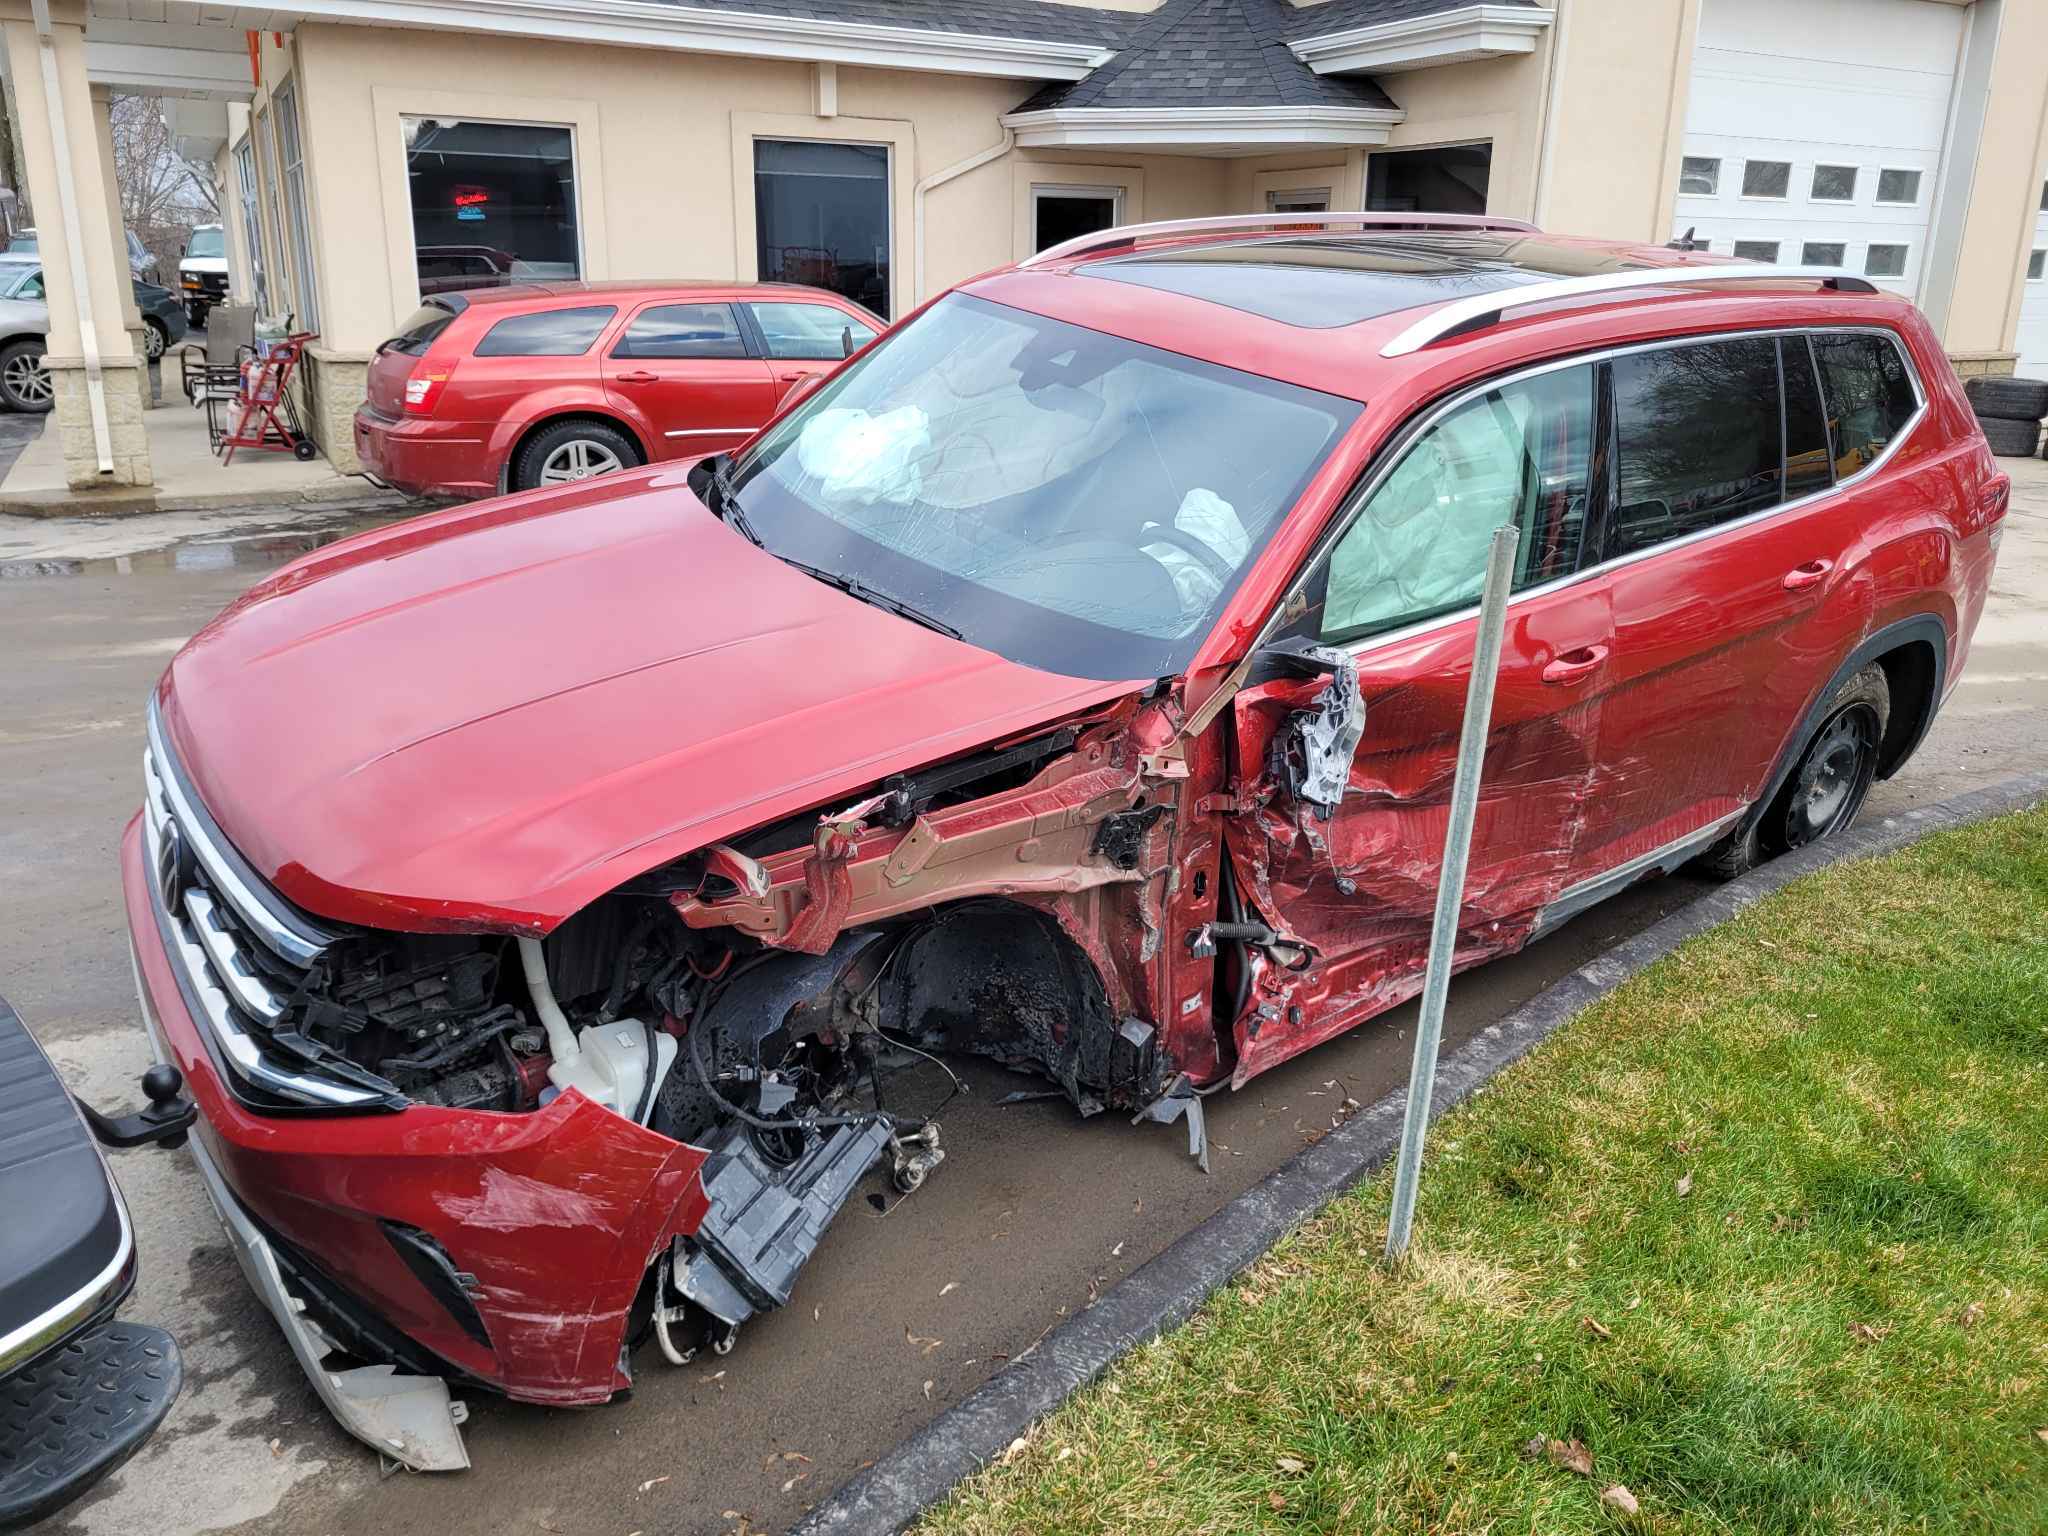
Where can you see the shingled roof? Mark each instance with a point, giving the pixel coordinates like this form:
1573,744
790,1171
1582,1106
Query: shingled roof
1210,53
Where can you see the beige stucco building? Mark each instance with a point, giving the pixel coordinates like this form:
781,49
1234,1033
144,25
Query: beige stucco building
376,149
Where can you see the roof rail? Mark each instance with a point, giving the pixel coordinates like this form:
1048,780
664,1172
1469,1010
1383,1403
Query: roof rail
1486,309
1128,236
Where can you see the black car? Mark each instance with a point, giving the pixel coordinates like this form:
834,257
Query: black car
80,1389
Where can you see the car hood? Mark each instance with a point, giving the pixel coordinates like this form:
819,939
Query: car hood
197,264
487,717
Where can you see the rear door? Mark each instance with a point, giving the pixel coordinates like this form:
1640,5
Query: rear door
1355,885
803,340
685,375
1727,548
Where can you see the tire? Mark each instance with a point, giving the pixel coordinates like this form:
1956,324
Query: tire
570,451
2002,399
2011,439
156,341
24,381
1826,788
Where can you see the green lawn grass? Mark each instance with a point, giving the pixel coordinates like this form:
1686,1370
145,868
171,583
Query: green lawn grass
1766,1230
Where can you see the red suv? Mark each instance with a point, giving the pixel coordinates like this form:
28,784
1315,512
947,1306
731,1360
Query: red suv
541,383
533,894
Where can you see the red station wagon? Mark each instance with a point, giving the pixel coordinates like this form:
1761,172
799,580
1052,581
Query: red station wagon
534,895
541,383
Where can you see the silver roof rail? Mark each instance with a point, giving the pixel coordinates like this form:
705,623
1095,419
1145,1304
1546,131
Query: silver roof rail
1485,309
1128,235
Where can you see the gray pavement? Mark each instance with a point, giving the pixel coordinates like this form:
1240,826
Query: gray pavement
1033,1214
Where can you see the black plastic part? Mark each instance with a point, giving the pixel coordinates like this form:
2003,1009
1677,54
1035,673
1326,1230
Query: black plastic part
60,1218
431,1266
164,1123
78,1412
1121,838
765,1222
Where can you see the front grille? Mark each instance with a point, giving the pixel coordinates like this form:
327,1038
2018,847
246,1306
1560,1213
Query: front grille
242,953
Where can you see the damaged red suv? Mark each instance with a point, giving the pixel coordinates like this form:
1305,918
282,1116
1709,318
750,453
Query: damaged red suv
532,893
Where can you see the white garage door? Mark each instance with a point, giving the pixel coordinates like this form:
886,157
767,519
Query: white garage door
2033,337
1814,132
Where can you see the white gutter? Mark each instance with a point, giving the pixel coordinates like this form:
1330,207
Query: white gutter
939,179
74,238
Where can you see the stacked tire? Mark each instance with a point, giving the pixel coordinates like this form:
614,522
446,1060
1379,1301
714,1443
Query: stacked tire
2010,412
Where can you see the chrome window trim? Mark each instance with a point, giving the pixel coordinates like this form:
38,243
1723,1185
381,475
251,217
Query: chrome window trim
298,943
20,1344
1356,501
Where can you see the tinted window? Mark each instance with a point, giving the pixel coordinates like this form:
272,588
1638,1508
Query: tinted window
491,196
1807,466
821,217
1516,454
1868,393
418,333
1698,438
809,330
551,333
682,330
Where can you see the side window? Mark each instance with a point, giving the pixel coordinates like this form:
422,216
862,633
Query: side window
31,286
683,330
1809,466
1698,438
551,333
1869,396
809,330
1520,453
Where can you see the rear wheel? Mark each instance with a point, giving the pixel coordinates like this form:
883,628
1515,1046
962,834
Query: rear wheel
24,380
573,450
155,339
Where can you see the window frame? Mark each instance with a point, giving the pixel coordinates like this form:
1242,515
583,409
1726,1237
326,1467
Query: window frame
410,254
286,121
1903,247
1813,181
1288,610
1919,185
1041,191
1766,197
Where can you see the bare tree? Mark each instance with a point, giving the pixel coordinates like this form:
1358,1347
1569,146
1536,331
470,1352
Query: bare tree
162,196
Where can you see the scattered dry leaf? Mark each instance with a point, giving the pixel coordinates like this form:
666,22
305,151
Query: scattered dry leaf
923,1343
2041,1434
950,1285
652,1481
1275,1499
1014,1449
1572,1455
1618,1497
1866,1333
927,1391
1971,1315
277,1447
1532,1447
794,1481
1684,1185
1291,1465
1064,1452
1598,1329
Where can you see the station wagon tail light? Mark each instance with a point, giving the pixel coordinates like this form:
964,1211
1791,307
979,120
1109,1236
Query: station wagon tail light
421,390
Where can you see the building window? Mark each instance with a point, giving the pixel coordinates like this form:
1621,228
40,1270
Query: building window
252,228
1767,178
2044,197
492,203
1756,250
1828,254
294,162
1885,261
1901,187
821,217
2037,266
1452,179
1299,200
1699,176
1834,184
1065,213
273,230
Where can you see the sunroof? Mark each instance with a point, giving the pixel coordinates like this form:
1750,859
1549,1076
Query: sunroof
1322,282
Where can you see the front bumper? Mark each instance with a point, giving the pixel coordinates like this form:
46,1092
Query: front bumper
549,1219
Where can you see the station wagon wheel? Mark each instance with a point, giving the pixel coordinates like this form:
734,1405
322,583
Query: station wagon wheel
570,451
24,381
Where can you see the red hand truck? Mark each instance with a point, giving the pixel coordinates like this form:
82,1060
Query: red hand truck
266,415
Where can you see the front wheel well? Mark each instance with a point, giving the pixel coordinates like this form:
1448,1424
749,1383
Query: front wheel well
541,424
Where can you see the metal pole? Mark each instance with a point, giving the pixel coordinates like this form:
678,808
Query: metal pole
1450,888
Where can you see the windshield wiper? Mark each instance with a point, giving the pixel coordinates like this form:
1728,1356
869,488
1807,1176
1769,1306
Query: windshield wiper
727,509
853,586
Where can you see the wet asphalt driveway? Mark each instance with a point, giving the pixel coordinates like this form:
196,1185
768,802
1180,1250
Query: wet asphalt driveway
906,1308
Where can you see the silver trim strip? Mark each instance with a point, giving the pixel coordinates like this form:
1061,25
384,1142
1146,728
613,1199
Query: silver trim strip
1410,432
227,962
53,1323
708,432
1459,312
221,874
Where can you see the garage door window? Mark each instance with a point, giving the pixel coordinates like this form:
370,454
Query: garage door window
1767,178
491,202
1884,261
1869,395
1898,188
1830,253
1834,183
1756,250
2037,266
1698,438
1699,176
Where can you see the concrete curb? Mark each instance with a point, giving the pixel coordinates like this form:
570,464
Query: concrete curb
1167,1290
347,490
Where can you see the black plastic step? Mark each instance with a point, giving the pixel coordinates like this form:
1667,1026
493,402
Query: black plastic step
72,1416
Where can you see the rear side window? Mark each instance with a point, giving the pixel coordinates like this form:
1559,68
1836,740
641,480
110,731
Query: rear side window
1698,438
1519,453
682,330
418,332
551,333
1869,396
809,330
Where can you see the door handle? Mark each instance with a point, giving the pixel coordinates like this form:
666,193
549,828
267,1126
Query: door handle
1575,666
1807,575
637,376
